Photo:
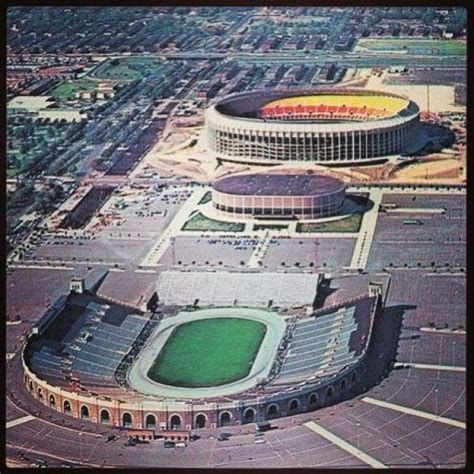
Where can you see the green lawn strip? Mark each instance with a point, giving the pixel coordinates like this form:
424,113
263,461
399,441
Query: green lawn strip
348,224
199,222
416,46
270,227
127,69
208,352
206,198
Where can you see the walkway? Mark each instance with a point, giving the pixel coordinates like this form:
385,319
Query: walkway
366,233
372,462
418,413
20,421
173,229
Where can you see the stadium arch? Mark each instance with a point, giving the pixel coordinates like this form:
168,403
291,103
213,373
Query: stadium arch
104,416
329,393
127,420
150,421
249,415
294,405
313,399
273,410
84,413
52,401
225,418
200,421
67,406
175,421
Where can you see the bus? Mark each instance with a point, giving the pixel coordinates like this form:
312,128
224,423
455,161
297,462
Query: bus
412,222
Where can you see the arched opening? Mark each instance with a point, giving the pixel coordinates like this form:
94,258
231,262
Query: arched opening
343,385
67,407
249,415
225,419
200,421
354,377
294,404
31,386
175,422
52,401
329,393
84,412
126,420
40,394
150,422
272,410
104,416
312,399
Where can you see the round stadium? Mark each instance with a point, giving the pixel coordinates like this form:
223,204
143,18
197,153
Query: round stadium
324,126
289,193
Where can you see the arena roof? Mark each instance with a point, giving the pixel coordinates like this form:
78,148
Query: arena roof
272,184
234,288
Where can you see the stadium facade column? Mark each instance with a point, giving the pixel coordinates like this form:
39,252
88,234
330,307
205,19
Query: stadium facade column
139,416
189,416
95,414
353,145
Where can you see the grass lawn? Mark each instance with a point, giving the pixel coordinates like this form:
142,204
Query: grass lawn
206,198
11,172
202,223
270,227
415,46
127,69
208,352
67,90
349,224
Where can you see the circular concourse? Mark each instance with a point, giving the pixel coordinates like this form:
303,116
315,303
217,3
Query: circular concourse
328,127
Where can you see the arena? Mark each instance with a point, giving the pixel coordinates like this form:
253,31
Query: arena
325,126
284,194
89,356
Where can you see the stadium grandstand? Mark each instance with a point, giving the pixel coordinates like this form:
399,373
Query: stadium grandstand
237,288
78,361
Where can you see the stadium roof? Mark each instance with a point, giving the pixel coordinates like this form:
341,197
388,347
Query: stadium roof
272,184
234,288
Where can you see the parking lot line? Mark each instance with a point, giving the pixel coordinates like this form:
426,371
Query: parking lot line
20,421
344,445
418,413
454,368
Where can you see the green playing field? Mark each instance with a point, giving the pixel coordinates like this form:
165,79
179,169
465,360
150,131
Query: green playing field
208,352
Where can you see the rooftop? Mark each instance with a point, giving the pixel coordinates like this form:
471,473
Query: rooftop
271,184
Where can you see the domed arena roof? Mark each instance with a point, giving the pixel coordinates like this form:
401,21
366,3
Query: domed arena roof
299,183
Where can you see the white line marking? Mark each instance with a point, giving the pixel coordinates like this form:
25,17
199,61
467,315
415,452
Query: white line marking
454,368
40,267
20,421
419,413
345,445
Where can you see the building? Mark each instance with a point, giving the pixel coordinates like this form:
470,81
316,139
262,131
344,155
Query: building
81,358
283,194
325,126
